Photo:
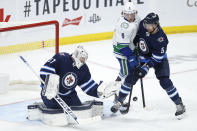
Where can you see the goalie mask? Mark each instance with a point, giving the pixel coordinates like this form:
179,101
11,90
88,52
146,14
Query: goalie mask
80,57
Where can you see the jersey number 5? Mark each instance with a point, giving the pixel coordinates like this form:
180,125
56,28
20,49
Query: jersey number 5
162,50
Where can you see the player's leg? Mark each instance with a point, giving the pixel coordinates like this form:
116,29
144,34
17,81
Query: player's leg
162,72
126,86
123,69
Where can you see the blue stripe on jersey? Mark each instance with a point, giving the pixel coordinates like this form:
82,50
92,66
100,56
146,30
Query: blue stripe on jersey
86,83
86,87
144,60
157,58
47,69
125,89
90,87
45,73
65,94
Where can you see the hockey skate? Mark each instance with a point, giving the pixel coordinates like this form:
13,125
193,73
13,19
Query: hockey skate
124,108
180,110
116,105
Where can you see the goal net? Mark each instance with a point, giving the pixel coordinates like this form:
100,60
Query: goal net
36,42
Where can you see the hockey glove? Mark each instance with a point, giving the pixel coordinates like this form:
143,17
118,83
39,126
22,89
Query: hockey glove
133,62
126,51
107,89
51,87
143,70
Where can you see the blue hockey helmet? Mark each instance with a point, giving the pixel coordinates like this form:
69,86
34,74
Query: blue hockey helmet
151,18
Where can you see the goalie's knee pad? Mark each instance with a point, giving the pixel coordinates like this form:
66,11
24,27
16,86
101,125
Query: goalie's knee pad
87,112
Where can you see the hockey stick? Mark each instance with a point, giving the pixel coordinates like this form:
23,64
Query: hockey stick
142,90
141,82
58,99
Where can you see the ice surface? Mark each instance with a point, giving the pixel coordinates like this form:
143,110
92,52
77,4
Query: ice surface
157,116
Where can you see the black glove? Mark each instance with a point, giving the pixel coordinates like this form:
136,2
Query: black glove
143,70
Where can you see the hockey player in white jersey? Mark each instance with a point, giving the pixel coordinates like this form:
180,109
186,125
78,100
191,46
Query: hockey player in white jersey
124,34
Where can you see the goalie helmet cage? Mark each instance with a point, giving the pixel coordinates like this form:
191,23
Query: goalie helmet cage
22,37
33,25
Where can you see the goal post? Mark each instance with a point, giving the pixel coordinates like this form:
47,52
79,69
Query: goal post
4,50
27,39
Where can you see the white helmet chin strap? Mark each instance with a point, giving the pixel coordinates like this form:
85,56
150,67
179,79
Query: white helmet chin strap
77,55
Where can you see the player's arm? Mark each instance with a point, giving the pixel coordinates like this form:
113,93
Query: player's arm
158,54
101,90
87,84
49,68
49,76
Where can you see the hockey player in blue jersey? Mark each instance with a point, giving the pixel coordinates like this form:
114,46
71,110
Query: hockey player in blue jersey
152,47
63,72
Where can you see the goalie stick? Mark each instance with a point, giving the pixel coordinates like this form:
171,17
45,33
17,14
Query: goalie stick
58,99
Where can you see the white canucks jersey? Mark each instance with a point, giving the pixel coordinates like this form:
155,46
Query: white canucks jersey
124,35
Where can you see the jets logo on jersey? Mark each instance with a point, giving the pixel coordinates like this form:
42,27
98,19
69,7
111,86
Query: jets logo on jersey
69,80
143,46
160,39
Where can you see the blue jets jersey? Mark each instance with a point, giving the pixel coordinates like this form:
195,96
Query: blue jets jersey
70,76
152,47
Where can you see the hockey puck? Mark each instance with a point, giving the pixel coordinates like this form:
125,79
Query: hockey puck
135,98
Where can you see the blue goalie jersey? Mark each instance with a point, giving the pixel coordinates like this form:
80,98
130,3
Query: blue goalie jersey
70,76
152,47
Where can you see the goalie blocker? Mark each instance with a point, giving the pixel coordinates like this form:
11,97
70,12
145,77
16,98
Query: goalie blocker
89,111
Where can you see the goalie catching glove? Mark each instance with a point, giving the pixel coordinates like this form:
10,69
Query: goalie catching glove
51,87
107,89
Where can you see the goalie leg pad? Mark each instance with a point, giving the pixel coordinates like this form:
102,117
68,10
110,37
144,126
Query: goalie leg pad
87,112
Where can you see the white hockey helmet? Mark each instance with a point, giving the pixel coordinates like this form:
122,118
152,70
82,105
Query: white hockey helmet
129,8
80,56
